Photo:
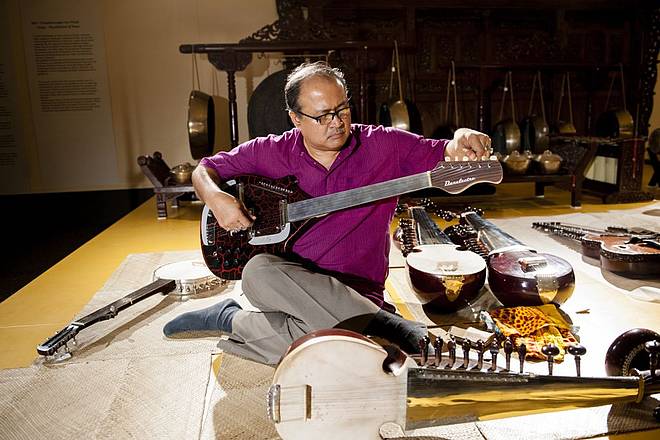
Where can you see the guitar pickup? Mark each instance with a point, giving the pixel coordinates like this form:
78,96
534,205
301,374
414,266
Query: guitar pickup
530,264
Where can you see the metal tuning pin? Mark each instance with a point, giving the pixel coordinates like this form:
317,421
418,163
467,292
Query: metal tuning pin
550,350
451,347
494,350
577,351
424,349
437,345
466,345
480,356
653,349
508,349
522,352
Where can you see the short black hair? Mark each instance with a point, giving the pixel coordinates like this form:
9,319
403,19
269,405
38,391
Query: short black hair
305,71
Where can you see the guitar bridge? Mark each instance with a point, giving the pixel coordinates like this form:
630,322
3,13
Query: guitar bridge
530,264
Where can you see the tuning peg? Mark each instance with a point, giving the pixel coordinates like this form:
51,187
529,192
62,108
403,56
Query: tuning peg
447,159
577,351
494,350
466,345
508,349
653,349
437,345
550,350
493,157
466,159
451,347
522,352
480,356
424,349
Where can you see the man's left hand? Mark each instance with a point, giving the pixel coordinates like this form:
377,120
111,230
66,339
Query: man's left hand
468,143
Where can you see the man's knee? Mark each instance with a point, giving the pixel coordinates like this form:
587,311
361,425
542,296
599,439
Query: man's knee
259,272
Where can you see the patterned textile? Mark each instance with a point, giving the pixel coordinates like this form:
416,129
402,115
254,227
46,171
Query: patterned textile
535,327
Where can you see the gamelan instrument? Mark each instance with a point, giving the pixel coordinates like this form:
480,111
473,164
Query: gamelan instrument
284,212
441,276
518,275
336,384
506,133
619,250
180,278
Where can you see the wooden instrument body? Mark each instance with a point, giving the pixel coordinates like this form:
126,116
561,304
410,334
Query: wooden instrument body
518,275
445,278
617,249
619,256
552,282
332,386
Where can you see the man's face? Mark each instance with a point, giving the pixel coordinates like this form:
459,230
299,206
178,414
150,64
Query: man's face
318,96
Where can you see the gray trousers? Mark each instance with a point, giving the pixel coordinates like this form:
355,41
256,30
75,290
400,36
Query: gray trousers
293,301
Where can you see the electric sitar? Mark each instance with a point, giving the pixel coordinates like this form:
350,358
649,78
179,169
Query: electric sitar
284,212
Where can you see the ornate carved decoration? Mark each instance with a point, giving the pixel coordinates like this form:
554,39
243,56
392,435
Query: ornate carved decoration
230,61
649,73
293,25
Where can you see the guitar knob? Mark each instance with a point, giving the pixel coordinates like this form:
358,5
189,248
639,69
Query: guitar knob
451,347
424,349
494,350
577,351
508,349
522,352
437,345
480,355
466,345
550,350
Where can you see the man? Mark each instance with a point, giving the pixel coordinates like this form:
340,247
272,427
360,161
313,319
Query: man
336,274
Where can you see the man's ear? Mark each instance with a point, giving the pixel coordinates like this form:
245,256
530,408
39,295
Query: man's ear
295,119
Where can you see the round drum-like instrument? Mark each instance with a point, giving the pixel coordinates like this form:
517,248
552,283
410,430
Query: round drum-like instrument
191,277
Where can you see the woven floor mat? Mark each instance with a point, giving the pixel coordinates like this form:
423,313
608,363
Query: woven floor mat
148,397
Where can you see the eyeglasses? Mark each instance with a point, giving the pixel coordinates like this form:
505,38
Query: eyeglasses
327,118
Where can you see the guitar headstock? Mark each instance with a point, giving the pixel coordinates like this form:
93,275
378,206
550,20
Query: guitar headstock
59,340
455,177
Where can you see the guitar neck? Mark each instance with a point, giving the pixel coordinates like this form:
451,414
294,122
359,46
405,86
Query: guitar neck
490,235
426,230
452,177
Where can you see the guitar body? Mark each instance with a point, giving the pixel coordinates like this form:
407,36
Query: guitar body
516,283
443,277
227,253
331,385
618,255
635,255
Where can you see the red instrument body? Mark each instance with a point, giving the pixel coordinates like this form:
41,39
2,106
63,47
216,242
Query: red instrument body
618,250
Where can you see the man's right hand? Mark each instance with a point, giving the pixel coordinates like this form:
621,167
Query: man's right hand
229,212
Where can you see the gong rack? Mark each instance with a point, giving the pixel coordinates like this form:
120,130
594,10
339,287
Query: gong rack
235,57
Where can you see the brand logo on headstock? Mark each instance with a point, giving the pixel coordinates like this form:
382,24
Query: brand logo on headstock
461,180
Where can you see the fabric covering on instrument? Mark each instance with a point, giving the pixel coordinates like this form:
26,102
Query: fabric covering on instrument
535,327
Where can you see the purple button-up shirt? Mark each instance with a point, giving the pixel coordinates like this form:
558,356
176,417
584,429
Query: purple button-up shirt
352,243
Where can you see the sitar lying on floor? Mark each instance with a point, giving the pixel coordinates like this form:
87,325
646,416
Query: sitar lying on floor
336,384
518,275
622,251
442,276
283,212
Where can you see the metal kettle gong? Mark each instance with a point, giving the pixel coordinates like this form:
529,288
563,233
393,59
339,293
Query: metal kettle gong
506,133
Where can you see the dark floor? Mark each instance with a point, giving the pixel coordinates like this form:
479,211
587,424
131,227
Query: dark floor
41,229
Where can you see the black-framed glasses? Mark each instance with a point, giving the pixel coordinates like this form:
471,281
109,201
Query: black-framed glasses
327,118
